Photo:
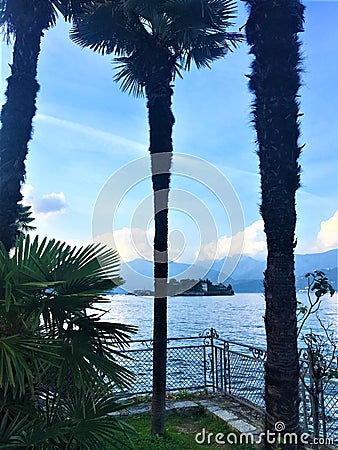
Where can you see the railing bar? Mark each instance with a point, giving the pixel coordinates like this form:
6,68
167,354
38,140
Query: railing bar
169,339
246,356
151,349
205,365
216,367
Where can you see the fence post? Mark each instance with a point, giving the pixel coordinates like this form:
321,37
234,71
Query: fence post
212,358
225,366
229,368
322,405
304,407
205,365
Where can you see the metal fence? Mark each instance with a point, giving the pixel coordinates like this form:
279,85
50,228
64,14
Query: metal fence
229,368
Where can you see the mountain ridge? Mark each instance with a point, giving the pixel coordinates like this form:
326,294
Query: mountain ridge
246,277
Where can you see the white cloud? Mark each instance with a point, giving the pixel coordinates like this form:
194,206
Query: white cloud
138,243
253,239
130,243
48,204
134,243
27,193
327,237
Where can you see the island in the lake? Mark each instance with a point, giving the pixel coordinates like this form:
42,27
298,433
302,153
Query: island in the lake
198,288
191,288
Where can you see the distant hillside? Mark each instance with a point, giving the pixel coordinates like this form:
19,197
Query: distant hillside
246,277
316,261
332,275
254,286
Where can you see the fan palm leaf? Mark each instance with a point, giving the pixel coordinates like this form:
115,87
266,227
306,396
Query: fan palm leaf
53,344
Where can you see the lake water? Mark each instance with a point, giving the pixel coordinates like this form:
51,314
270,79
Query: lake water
237,318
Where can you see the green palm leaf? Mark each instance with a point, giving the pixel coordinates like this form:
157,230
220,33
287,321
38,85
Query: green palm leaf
24,360
51,346
86,421
187,30
130,74
12,14
105,29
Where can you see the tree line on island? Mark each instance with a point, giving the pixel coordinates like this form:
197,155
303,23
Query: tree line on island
153,42
190,287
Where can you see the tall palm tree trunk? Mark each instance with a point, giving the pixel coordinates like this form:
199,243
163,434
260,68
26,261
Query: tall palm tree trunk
272,34
16,118
161,121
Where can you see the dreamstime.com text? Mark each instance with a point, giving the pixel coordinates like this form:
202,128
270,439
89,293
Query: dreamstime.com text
208,438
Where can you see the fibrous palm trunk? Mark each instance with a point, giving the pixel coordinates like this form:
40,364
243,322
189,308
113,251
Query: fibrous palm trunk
161,122
272,34
16,118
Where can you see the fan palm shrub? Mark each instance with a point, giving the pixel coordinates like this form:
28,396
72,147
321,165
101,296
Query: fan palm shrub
58,372
154,41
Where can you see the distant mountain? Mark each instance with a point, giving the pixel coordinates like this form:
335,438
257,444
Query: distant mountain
246,268
331,274
246,277
316,261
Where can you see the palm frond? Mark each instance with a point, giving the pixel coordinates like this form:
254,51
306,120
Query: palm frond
14,14
104,28
70,9
18,370
100,424
84,358
203,55
207,15
14,429
24,220
91,421
52,347
129,75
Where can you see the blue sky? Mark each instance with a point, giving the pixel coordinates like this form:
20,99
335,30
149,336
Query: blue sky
87,129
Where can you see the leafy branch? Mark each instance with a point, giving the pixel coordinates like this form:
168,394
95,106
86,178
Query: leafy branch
320,348
319,284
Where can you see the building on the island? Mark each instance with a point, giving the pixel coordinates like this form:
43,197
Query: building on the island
143,292
207,288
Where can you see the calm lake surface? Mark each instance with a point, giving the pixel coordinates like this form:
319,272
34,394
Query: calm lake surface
237,318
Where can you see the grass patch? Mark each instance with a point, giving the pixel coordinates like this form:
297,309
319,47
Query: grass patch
180,433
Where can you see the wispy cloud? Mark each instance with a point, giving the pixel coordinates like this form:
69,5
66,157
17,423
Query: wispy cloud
135,148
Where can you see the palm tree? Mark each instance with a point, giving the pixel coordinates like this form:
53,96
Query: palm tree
23,224
58,367
26,20
271,32
153,41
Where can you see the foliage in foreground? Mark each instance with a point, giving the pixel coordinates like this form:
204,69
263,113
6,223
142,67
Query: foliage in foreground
319,351
180,433
57,357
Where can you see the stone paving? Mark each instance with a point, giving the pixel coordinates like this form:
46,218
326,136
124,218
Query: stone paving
229,412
